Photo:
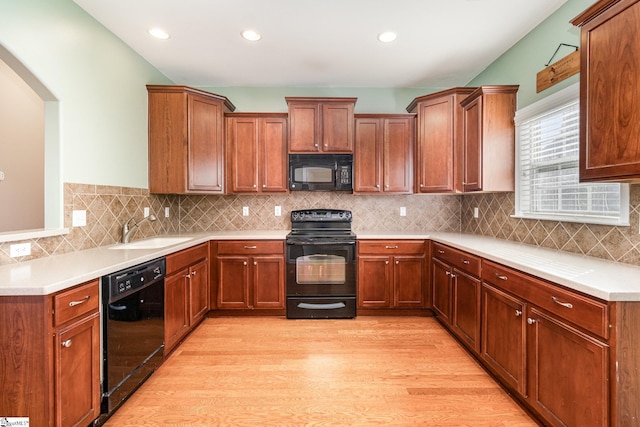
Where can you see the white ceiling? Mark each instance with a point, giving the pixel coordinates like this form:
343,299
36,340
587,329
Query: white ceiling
319,43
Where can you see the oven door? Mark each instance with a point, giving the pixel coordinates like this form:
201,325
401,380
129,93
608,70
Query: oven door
321,269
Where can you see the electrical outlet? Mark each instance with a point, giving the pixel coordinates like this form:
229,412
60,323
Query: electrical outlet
166,212
475,212
277,211
245,211
20,249
146,212
1,176
403,211
79,218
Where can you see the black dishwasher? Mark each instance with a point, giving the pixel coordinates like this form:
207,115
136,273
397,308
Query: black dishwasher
132,331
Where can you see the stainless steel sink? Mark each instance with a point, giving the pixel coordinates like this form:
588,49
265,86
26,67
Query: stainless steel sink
152,243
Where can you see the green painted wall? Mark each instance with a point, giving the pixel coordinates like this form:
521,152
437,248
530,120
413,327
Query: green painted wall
521,63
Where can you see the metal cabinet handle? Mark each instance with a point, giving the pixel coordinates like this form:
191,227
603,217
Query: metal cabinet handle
447,273
255,185
188,276
440,251
386,186
397,262
66,344
193,273
377,185
501,277
386,262
466,261
391,247
255,263
250,247
530,321
518,313
453,276
421,185
82,301
564,304
244,263
264,185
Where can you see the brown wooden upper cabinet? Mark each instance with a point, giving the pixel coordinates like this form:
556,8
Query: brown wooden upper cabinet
439,144
257,152
383,153
186,140
489,139
610,91
320,124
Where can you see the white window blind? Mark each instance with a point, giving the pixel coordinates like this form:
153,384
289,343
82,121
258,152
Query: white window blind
548,135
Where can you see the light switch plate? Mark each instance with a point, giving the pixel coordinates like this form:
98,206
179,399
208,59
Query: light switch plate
245,211
475,212
166,212
146,212
403,211
79,218
277,211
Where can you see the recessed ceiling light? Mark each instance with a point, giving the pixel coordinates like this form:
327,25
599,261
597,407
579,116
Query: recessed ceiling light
387,36
251,35
159,33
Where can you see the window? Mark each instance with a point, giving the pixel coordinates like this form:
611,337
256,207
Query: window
547,187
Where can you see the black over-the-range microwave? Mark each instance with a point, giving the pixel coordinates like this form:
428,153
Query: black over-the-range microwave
321,172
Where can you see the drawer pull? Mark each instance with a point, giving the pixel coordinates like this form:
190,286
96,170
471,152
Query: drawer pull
447,273
66,343
530,321
244,263
518,313
466,261
250,247
440,251
391,247
193,273
501,276
564,304
82,301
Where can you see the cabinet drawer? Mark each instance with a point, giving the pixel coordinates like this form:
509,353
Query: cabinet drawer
250,247
185,258
459,259
391,247
582,311
76,302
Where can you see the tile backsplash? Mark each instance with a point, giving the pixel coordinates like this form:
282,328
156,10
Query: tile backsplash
107,208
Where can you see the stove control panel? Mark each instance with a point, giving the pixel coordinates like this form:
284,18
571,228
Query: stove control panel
325,215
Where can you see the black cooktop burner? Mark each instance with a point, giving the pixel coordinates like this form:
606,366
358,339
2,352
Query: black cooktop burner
321,225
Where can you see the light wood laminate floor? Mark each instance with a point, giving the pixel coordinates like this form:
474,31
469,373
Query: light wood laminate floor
370,371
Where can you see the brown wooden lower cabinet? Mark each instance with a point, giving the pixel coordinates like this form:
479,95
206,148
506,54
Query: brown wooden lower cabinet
250,274
391,274
186,289
553,364
50,359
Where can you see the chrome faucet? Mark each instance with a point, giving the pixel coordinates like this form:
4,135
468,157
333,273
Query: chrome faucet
126,230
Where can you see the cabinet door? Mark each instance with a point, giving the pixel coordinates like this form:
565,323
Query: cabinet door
397,155
242,151
568,373
233,282
408,277
273,160
176,311
610,90
206,144
466,308
504,337
368,155
472,167
198,291
337,127
268,281
374,282
435,147
441,290
304,127
77,373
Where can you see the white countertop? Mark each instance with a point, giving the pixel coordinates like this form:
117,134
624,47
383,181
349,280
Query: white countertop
609,281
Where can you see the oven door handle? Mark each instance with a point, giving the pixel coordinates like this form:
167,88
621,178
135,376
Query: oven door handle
342,243
326,306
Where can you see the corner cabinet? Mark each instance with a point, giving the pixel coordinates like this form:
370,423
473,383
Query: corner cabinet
186,140
320,124
489,139
186,289
391,274
52,356
383,155
257,153
250,274
439,145
610,91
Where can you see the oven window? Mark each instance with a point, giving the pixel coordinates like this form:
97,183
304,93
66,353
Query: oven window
320,269
313,174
